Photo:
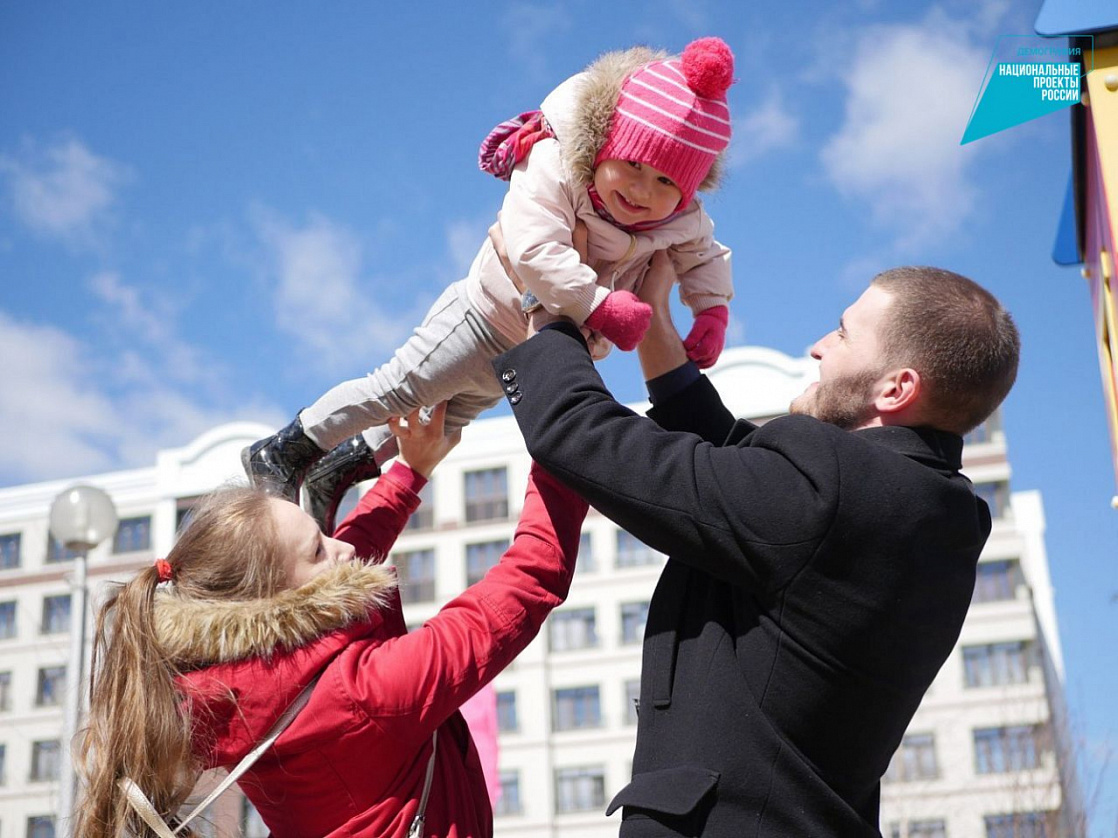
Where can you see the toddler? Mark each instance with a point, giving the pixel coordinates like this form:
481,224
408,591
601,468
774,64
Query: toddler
621,147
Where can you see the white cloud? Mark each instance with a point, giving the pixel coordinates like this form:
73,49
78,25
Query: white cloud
64,190
68,410
134,318
910,89
530,28
463,238
695,16
55,422
767,127
125,299
321,299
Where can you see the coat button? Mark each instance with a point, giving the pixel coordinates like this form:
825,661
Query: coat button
508,375
512,388
515,397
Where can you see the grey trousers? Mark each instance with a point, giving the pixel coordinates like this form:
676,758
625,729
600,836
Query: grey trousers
446,359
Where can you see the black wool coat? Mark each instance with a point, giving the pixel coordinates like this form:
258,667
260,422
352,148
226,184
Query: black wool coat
817,579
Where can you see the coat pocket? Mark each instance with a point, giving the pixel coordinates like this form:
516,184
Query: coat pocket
678,798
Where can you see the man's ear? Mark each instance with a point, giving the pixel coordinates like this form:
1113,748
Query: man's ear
899,393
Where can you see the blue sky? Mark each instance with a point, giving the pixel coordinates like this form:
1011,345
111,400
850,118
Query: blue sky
214,211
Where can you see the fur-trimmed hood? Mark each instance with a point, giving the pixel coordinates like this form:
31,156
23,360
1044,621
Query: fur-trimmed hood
583,131
195,632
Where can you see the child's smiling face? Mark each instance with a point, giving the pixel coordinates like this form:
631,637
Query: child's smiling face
635,192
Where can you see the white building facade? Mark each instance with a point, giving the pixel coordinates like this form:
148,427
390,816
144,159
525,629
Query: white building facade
984,756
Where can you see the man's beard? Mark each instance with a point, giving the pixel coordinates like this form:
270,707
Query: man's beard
846,402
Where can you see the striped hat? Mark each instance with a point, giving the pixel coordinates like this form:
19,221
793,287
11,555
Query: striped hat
672,115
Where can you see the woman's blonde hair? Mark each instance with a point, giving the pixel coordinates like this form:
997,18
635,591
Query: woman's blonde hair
139,722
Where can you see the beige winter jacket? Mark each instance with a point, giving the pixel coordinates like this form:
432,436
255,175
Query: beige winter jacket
547,194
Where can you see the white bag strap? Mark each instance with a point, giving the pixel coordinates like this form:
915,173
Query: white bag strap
416,827
140,803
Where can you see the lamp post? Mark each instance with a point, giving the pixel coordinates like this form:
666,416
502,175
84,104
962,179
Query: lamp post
81,518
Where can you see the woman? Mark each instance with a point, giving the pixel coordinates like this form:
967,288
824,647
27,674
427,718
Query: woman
259,605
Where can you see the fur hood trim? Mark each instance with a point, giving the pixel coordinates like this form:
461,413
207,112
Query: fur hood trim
195,632
595,104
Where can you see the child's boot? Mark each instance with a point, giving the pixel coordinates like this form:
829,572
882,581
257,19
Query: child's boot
330,478
278,463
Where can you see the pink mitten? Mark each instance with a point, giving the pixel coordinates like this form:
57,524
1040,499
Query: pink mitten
708,336
622,318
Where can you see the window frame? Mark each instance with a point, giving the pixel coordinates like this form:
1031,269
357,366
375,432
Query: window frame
576,708
559,626
45,624
485,502
11,550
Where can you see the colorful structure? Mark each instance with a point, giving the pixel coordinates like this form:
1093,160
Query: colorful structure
1089,227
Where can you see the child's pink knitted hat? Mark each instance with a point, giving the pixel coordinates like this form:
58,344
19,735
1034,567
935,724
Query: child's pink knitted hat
672,115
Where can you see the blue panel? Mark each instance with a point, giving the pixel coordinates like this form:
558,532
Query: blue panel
1059,18
1066,249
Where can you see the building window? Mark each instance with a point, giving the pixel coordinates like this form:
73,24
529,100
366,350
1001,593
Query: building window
424,516
1017,825
487,494
59,552
3,765
915,759
586,560
9,551
45,760
927,829
506,712
7,619
184,509
633,617
133,535
40,826
632,553
576,708
996,664
415,570
56,614
252,825
999,750
51,686
481,557
5,692
509,801
575,628
632,700
580,789
996,581
996,496
978,435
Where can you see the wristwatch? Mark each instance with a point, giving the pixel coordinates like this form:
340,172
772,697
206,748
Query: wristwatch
529,302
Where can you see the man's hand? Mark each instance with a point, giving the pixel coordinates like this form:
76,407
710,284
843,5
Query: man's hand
661,350
540,317
656,288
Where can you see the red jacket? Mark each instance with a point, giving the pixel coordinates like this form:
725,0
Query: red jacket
353,762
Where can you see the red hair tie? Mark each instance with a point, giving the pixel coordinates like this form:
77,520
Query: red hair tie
163,567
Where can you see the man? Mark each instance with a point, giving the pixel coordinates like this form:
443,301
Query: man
820,566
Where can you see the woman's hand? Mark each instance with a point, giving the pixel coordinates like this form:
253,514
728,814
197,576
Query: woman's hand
423,445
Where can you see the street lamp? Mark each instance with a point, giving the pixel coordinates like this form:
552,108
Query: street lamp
81,518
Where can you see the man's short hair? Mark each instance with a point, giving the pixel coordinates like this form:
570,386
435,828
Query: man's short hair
957,336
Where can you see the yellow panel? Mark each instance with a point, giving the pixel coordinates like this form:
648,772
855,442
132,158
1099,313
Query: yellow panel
1108,357
1104,115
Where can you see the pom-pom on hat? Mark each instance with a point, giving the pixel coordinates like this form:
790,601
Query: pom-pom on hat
672,115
